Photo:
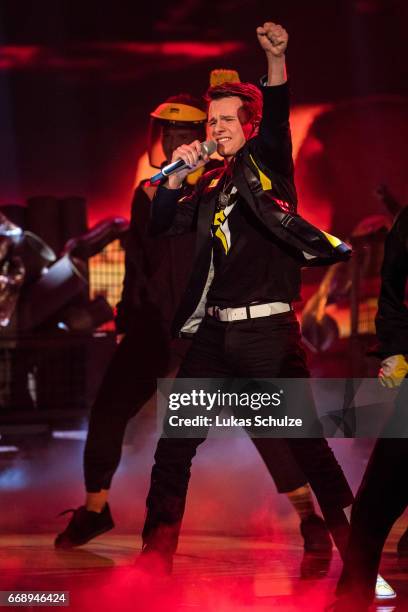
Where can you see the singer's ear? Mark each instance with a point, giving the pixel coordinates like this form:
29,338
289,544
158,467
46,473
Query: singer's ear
255,128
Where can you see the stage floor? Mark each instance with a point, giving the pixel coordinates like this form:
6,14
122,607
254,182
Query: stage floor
211,573
257,564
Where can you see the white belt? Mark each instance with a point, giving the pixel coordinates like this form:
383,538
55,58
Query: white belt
252,311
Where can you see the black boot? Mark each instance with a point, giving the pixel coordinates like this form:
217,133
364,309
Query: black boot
159,546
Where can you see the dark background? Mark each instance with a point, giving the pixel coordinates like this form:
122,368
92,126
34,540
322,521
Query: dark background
78,80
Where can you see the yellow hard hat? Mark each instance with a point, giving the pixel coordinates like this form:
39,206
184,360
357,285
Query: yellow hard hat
218,76
175,111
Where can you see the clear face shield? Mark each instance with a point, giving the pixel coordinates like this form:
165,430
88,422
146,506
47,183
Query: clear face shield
171,125
165,137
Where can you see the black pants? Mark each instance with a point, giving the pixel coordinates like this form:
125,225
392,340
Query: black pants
381,499
145,354
259,348
129,382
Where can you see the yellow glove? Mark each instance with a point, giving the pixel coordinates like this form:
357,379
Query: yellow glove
393,371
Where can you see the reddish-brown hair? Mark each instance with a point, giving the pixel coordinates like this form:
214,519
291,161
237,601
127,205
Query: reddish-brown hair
249,94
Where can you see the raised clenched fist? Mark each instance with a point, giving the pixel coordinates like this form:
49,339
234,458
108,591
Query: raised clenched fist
273,38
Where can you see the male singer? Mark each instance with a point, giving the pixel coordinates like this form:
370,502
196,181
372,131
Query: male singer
250,246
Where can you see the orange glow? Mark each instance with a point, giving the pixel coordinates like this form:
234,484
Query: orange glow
106,271
301,118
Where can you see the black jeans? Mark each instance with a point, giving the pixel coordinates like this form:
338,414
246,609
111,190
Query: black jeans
145,354
380,501
267,347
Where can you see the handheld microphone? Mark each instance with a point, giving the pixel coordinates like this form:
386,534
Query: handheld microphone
207,148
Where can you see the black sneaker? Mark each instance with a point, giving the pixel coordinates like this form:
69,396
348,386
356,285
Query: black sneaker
83,526
402,547
315,534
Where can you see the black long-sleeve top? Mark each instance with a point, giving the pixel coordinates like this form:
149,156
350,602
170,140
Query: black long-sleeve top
156,270
392,316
